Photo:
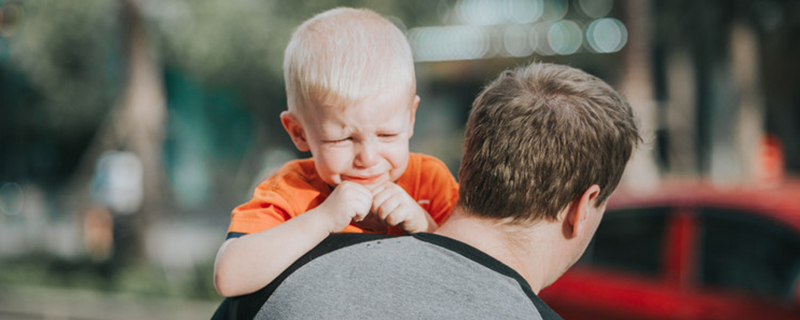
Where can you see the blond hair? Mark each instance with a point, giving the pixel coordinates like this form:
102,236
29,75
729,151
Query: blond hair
539,136
342,55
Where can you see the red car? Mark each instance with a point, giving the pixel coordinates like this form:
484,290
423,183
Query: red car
689,251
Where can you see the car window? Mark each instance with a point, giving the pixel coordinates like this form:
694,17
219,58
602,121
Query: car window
748,253
630,241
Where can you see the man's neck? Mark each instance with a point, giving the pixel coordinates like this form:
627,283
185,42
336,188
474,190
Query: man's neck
525,249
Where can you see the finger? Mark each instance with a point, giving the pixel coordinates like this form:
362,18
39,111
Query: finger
344,185
364,207
383,188
363,193
387,208
377,202
356,193
380,198
386,191
374,188
396,218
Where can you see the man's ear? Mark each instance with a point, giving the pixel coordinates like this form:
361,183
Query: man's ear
413,116
295,130
576,217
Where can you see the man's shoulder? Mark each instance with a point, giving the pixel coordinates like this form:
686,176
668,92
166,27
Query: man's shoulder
441,277
247,306
332,243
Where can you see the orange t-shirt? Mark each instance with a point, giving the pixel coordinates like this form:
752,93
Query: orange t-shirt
296,188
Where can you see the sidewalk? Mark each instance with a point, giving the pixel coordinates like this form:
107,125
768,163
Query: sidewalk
25,303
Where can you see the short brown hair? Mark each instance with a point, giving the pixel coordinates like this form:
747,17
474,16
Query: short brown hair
539,136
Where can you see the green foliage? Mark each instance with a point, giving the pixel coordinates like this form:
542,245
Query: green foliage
68,52
224,42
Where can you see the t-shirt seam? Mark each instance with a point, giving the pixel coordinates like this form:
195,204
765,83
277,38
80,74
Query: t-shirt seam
480,257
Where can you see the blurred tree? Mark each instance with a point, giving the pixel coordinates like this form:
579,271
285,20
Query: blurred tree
61,75
67,52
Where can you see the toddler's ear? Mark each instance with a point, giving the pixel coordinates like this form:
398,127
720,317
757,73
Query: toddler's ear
413,116
295,130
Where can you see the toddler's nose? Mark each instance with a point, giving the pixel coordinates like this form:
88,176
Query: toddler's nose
366,155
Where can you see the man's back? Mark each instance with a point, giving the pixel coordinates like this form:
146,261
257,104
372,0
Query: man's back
413,277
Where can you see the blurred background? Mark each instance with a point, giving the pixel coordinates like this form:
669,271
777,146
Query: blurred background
129,129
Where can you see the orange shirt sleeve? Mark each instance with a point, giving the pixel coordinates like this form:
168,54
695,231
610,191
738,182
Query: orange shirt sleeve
265,210
292,190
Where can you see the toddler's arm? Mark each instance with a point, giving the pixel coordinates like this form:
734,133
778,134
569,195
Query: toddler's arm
394,206
246,264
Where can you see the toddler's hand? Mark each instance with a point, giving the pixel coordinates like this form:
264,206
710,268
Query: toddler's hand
392,204
348,201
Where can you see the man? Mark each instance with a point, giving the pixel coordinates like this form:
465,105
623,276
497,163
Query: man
545,147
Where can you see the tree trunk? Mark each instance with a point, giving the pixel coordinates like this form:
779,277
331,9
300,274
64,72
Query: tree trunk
136,123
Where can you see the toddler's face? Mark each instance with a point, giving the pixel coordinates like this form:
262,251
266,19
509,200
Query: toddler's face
366,142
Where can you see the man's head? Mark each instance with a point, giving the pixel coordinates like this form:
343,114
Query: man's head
351,95
538,138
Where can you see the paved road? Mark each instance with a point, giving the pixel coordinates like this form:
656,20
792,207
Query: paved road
27,303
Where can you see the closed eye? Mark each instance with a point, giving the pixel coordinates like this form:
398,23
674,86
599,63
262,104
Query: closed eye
338,140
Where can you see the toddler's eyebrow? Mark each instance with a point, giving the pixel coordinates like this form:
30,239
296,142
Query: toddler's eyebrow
339,132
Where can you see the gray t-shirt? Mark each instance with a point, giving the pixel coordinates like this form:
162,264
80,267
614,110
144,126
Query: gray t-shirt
422,276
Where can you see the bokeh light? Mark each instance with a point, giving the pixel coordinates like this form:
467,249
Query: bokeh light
606,35
565,37
540,33
519,28
555,10
596,8
118,181
492,12
479,12
449,43
516,40
524,11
